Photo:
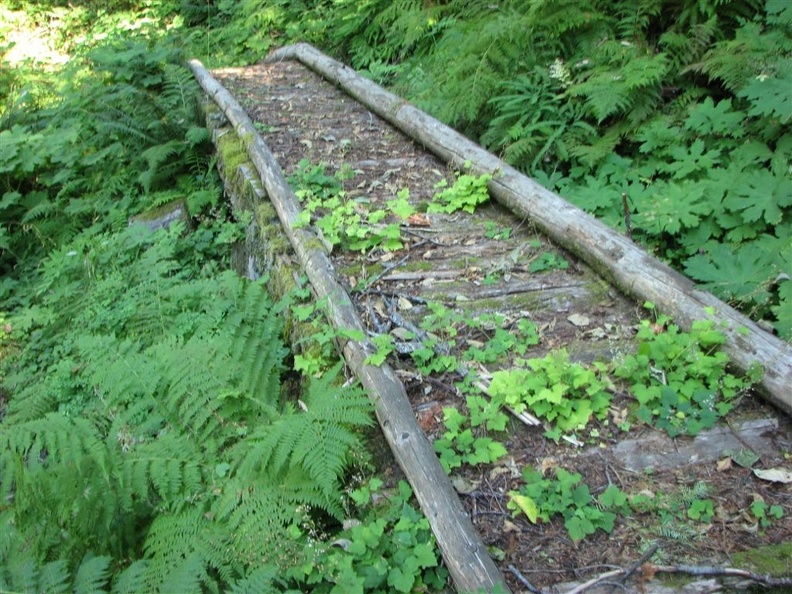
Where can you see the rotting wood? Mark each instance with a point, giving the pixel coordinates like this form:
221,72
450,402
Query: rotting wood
616,257
463,551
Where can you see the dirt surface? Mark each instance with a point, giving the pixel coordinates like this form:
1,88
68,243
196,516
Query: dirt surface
473,266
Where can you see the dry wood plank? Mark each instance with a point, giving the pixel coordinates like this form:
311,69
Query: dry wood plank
611,254
463,550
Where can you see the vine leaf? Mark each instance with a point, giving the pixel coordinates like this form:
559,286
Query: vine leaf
760,195
771,95
735,274
708,117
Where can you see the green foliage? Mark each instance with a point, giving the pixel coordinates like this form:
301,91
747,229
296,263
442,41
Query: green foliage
466,194
347,223
542,498
679,109
566,394
548,261
389,549
159,425
460,445
679,379
765,514
126,124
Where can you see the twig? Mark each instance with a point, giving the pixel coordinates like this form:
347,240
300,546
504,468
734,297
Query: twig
765,580
627,222
634,567
594,581
622,574
650,570
522,579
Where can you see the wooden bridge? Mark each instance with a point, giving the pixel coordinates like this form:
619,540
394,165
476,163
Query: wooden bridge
528,256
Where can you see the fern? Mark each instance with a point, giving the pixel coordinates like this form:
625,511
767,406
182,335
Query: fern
314,439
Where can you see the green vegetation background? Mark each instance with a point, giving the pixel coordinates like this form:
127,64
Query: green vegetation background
146,444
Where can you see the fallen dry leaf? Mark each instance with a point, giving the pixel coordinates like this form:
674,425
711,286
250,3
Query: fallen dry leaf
774,475
463,485
579,320
724,464
418,220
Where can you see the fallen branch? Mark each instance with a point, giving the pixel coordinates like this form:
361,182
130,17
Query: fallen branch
522,579
648,571
763,580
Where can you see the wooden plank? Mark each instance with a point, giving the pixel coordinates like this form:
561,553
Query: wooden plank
463,551
611,254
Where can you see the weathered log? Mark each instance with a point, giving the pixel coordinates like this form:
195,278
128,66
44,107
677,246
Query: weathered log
614,256
463,551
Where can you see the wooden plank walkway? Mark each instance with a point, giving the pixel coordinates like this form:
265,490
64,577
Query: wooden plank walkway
475,265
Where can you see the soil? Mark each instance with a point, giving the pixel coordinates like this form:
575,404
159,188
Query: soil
466,263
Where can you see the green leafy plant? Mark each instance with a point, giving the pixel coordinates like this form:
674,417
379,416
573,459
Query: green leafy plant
493,231
389,549
678,378
765,514
543,498
674,515
566,394
347,223
460,444
548,261
466,194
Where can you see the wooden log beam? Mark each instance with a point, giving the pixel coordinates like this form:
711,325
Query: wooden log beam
611,254
463,551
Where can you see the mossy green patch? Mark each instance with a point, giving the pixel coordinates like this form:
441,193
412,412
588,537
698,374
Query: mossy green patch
775,560
232,152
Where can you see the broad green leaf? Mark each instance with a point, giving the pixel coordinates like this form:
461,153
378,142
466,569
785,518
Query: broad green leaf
732,273
425,555
760,195
400,580
710,118
579,528
771,95
783,311
525,504
670,207
613,497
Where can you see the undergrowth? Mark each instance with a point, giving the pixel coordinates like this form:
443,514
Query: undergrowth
148,442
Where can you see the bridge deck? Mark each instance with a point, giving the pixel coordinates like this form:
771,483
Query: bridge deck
493,261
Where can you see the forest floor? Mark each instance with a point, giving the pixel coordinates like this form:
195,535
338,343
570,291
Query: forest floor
492,262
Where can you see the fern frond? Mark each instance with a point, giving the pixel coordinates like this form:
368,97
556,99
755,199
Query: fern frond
173,549
260,581
54,577
316,440
166,470
255,516
92,575
133,579
187,577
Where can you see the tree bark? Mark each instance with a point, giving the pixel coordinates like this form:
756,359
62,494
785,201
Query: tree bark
611,254
463,551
